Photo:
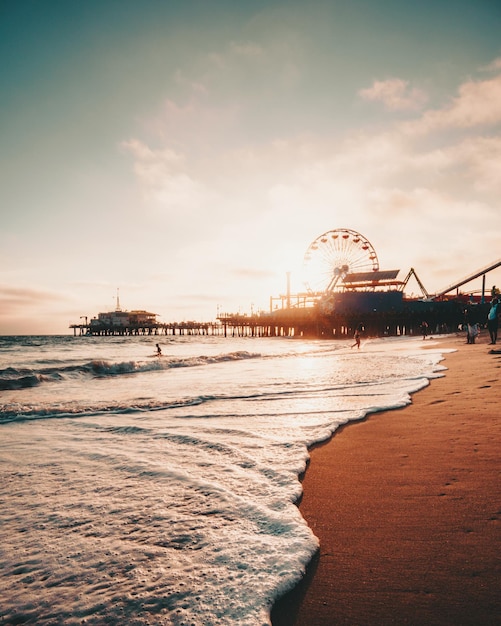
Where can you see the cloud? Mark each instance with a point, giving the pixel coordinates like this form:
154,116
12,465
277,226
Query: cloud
322,177
199,126
478,158
196,86
473,161
251,273
17,299
466,156
153,165
395,94
431,229
478,103
495,66
162,176
483,155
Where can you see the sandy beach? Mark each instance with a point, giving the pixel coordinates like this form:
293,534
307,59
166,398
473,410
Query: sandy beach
407,508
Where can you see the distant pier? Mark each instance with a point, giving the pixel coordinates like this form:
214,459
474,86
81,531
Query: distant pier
155,328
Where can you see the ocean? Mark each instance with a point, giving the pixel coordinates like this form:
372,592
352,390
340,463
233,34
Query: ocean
161,490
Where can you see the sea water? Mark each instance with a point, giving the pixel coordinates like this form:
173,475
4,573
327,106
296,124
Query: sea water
161,490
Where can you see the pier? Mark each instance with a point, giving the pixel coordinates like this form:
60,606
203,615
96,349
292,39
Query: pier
152,328
315,322
346,291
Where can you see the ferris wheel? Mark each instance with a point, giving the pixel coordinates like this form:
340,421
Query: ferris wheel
335,254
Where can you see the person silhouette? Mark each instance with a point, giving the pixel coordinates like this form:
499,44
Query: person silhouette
159,350
492,321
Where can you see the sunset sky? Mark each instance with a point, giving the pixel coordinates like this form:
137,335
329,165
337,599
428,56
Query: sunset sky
188,152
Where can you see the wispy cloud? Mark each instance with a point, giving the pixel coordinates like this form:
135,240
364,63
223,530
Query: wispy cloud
163,177
251,273
478,103
494,66
20,300
477,159
196,86
395,94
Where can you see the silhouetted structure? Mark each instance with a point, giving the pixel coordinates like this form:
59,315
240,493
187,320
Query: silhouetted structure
346,290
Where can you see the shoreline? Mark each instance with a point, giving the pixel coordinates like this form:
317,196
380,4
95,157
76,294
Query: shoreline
407,507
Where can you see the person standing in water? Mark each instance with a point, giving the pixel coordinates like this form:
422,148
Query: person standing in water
159,350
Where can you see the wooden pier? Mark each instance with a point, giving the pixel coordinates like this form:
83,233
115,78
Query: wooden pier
157,328
312,322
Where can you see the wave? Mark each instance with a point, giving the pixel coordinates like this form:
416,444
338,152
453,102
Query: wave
12,378
17,412
19,381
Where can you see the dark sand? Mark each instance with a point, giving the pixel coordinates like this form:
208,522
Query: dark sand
407,508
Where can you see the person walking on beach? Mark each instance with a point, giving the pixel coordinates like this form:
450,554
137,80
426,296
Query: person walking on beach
424,328
473,331
356,337
472,324
159,350
492,321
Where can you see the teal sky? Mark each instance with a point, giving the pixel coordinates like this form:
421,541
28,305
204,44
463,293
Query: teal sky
188,152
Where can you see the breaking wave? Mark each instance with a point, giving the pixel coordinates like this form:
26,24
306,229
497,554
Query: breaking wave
12,378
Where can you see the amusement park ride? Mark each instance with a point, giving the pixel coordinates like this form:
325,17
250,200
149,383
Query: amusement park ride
343,260
340,261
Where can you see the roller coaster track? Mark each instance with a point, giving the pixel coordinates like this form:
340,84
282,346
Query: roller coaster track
467,279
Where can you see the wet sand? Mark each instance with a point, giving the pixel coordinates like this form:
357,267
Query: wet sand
407,508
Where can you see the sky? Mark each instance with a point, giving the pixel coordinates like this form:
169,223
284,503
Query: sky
185,154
